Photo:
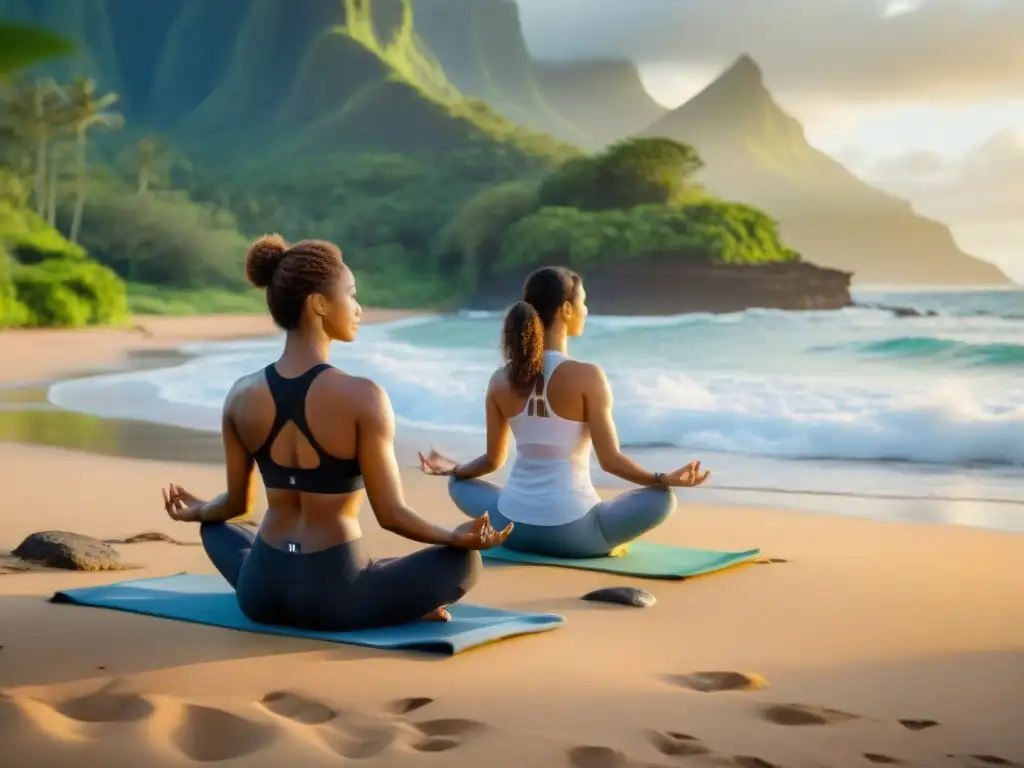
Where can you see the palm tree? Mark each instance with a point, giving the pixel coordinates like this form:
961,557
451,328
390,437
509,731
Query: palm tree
88,111
35,113
57,116
25,123
151,160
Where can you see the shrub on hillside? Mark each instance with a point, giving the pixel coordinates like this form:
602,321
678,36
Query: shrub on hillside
164,239
473,237
630,173
712,232
68,293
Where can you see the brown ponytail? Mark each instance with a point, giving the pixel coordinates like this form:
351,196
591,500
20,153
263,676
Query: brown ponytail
522,338
522,344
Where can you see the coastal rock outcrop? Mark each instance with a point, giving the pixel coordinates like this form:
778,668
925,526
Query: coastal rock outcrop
663,286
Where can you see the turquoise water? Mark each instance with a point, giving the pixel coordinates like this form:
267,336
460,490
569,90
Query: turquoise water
920,412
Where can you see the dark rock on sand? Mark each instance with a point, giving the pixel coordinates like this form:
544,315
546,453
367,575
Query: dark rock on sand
73,551
637,598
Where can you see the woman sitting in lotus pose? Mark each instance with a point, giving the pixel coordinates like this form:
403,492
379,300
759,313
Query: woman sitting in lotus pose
319,436
556,408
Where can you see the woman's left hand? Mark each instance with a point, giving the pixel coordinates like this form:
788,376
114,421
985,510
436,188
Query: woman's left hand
181,505
436,464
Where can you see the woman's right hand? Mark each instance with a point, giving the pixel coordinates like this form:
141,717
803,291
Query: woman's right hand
478,534
181,505
435,463
689,476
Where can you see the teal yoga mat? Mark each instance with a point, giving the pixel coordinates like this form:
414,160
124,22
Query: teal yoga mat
642,559
207,599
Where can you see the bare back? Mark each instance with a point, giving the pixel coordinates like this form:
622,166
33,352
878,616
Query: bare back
333,406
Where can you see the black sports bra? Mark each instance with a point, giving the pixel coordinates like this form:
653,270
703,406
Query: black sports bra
332,475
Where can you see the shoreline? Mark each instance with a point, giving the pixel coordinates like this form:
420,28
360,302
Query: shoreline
883,622
27,416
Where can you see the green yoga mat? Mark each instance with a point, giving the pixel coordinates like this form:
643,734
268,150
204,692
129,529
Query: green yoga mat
642,559
207,599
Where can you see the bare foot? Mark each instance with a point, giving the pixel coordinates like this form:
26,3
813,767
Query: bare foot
440,614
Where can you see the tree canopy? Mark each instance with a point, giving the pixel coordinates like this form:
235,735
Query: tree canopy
630,173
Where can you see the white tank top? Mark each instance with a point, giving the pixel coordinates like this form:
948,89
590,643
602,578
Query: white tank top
550,479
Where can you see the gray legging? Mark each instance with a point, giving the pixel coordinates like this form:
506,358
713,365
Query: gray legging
606,526
337,589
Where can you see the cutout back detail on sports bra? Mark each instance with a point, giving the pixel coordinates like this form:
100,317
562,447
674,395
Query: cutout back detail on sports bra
331,475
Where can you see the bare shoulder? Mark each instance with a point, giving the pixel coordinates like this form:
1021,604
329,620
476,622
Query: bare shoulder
366,396
586,374
243,387
499,381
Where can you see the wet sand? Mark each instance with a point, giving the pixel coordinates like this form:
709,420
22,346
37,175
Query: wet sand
877,643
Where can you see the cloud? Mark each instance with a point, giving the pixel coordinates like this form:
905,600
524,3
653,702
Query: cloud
985,187
874,50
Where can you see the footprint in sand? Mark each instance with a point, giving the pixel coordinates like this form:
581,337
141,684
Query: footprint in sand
453,726
988,760
207,735
351,740
749,761
879,759
918,725
436,744
296,707
596,757
714,682
363,743
405,706
677,744
105,706
803,714
444,734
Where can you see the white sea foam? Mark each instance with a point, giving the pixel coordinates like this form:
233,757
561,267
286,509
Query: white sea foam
763,383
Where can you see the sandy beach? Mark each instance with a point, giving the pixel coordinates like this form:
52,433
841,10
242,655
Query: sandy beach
880,643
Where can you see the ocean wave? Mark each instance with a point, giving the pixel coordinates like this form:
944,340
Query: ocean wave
937,348
855,384
929,421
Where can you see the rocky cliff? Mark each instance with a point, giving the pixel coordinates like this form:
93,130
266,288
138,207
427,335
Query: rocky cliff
758,154
663,286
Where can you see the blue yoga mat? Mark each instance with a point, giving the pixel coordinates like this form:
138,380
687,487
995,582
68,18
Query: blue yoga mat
208,599
642,559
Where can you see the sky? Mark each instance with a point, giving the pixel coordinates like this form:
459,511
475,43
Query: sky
923,98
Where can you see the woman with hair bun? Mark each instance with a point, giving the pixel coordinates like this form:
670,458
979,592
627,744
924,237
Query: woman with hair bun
557,408
319,437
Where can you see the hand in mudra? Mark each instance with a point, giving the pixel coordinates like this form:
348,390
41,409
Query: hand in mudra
181,505
435,464
478,534
689,476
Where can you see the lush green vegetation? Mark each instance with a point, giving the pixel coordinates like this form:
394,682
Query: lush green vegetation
45,280
144,299
351,133
633,201
22,46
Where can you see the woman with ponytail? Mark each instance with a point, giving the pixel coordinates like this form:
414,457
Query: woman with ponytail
557,408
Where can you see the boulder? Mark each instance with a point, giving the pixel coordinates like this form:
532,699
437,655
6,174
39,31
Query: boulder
73,551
